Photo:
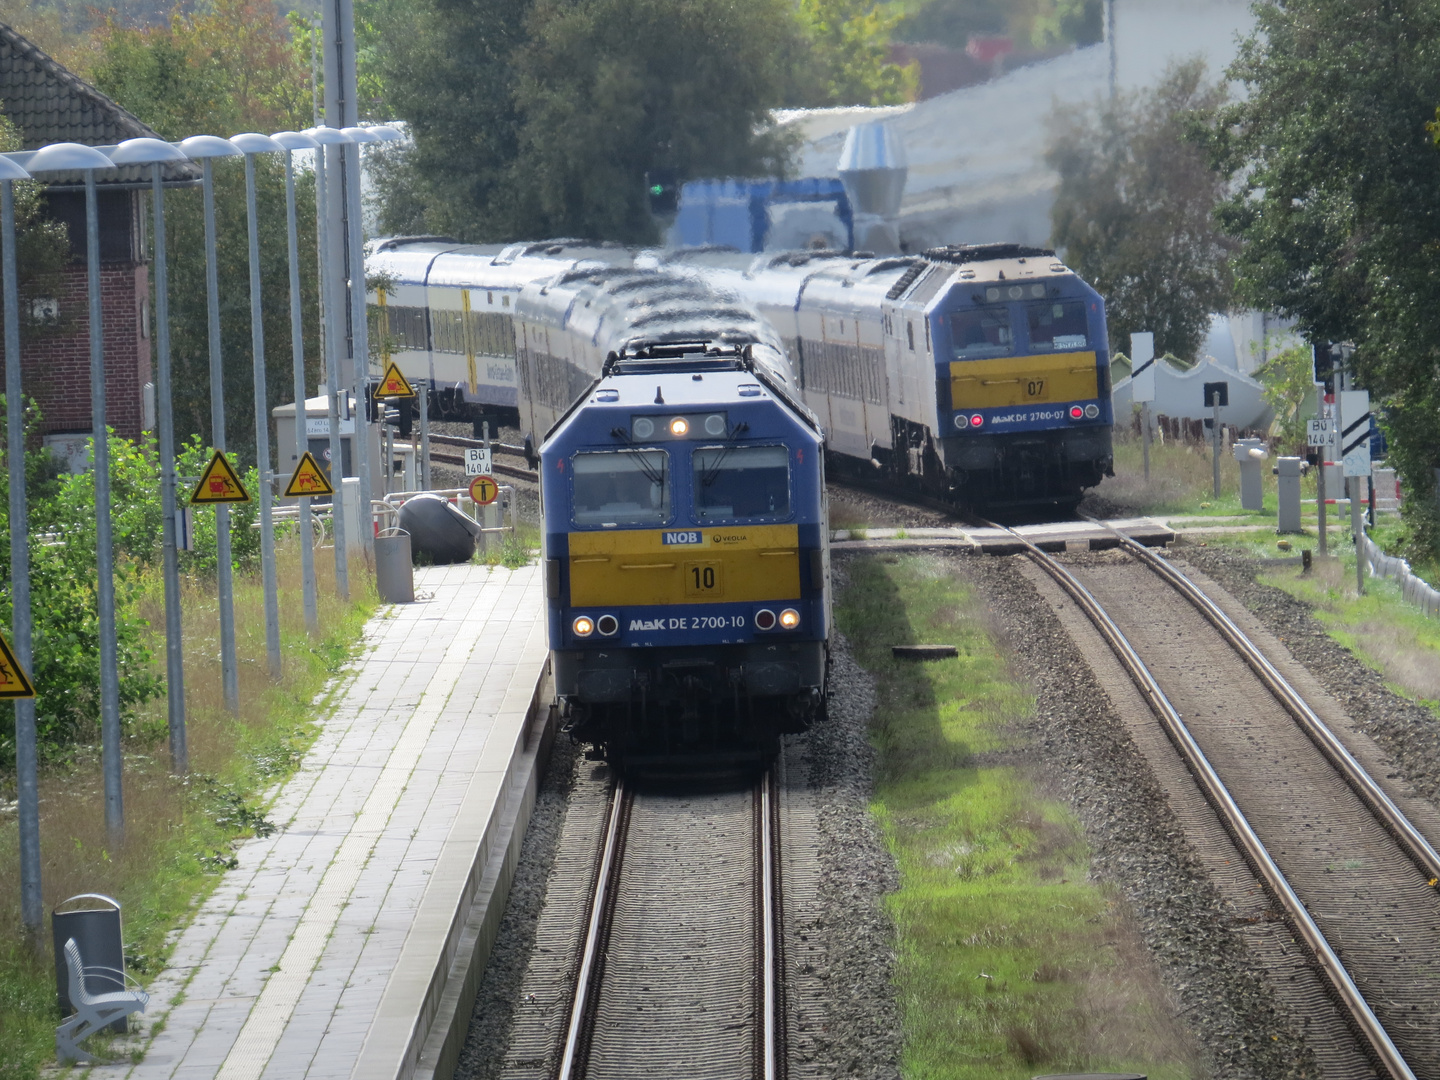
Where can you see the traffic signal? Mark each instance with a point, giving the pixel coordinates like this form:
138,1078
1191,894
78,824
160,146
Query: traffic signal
1325,365
662,188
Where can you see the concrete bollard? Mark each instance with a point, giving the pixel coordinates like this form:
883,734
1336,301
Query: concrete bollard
1251,455
1289,470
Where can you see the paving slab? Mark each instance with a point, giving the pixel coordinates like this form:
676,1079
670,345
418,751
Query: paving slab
327,950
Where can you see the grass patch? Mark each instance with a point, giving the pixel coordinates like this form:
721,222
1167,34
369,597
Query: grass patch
180,831
1010,962
517,549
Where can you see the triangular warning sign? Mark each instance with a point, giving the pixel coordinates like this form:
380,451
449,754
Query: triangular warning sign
394,384
219,484
14,683
308,479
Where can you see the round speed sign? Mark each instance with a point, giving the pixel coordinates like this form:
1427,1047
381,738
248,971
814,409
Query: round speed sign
484,490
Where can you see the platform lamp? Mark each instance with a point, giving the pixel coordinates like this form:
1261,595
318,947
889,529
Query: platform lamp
73,157
359,318
157,155
252,143
205,149
331,270
32,908
291,141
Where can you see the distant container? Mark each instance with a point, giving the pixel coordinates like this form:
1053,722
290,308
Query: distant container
764,215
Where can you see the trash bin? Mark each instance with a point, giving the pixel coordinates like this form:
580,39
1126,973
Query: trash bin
96,931
394,574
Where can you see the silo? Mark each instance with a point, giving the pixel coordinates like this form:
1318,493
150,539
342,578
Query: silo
873,169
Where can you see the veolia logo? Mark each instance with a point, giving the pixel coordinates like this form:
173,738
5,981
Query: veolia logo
682,538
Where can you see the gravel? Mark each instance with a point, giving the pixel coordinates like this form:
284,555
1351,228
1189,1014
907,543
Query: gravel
1405,729
1136,841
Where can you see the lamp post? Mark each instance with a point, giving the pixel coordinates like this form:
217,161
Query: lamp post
32,909
291,141
359,321
252,143
156,154
205,148
73,157
330,275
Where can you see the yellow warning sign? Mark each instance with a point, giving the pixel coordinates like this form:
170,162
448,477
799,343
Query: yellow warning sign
394,384
14,683
484,489
308,479
219,484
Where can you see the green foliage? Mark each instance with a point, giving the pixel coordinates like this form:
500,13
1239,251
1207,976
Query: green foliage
843,56
244,517
1337,183
1041,24
1134,213
42,246
1289,382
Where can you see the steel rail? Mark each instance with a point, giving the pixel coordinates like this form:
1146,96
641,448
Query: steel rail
587,977
1390,816
769,935
1231,815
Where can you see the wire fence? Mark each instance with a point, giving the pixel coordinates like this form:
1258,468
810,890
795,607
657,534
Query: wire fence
1415,590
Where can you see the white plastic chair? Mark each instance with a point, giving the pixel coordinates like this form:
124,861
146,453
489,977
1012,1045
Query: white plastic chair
92,1011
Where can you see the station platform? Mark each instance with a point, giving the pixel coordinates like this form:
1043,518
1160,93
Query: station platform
343,944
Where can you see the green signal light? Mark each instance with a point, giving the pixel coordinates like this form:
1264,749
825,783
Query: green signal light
657,189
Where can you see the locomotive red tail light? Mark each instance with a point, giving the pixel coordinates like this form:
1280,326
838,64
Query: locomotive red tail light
976,420
765,619
789,619
583,626
607,625
1076,412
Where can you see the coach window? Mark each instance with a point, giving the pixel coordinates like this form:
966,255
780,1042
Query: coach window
734,482
1058,326
981,332
622,487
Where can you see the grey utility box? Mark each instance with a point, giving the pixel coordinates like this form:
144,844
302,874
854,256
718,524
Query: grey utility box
317,440
1289,470
394,572
1251,455
96,931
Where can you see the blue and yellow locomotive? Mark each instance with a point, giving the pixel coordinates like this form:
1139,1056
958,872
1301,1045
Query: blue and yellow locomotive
686,557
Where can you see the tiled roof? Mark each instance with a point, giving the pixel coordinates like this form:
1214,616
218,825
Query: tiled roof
50,104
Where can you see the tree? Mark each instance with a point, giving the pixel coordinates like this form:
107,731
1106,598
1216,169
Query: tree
608,90
1135,209
839,55
42,246
1335,202
229,69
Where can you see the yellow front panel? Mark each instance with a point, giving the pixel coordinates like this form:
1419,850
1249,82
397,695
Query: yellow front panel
1022,380
729,564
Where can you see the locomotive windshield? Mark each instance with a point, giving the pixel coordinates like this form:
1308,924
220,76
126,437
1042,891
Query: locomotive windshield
741,482
622,487
1058,326
981,332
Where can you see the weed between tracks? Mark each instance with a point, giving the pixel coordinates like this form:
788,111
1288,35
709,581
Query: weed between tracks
1010,962
180,833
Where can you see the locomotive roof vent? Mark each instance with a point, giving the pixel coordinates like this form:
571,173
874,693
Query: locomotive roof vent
968,253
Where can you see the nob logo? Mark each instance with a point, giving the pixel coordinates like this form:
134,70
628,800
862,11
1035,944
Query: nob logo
683,538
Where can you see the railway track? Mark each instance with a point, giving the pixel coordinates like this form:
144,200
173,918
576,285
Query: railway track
679,969
1353,878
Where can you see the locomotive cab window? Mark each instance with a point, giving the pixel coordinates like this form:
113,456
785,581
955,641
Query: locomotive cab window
980,332
622,487
1058,326
734,482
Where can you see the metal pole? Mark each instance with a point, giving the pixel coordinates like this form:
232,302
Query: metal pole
104,538
1320,498
32,909
1145,436
1357,530
262,432
297,353
174,655
359,343
229,666
332,379
1215,441
425,436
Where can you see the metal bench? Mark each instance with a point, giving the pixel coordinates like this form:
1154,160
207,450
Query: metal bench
92,1011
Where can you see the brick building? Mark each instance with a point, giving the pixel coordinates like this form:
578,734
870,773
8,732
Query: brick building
49,104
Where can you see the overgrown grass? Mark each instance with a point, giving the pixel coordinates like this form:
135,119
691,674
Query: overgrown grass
517,549
180,832
1011,963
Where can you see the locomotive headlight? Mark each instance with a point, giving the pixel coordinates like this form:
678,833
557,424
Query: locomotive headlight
679,426
583,626
644,427
715,425
789,619
1092,411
